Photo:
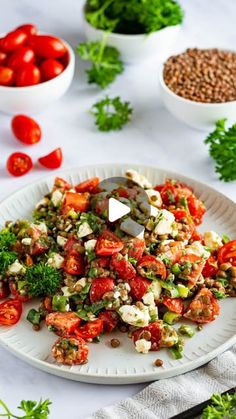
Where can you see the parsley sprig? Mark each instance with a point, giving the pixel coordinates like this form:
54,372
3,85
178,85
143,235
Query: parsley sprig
222,142
222,406
111,113
42,280
31,409
106,62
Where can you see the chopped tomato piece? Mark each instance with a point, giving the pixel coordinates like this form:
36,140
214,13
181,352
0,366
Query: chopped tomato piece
10,312
196,236
151,267
77,201
70,351
23,297
38,248
90,330
74,264
196,208
71,246
48,304
63,323
122,266
174,304
89,185
227,253
103,262
101,207
108,244
203,308
110,320
135,248
180,214
174,251
155,330
168,194
211,267
194,274
60,183
99,287
139,286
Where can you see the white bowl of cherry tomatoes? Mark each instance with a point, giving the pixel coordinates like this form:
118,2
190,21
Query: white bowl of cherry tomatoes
35,70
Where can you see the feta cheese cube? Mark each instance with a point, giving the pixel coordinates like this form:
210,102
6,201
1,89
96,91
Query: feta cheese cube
143,346
26,241
15,268
212,240
55,261
130,226
155,289
42,227
90,244
57,197
84,230
148,298
154,197
164,222
134,315
61,241
137,178
196,248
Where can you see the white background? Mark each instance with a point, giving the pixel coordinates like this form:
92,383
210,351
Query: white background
153,137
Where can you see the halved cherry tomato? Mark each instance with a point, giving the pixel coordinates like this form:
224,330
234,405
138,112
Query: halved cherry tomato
4,290
196,208
38,248
110,320
71,246
196,236
6,76
151,266
77,201
139,286
13,40
52,160
168,193
103,262
99,287
47,46
193,276
26,129
108,244
10,312
227,253
60,183
122,266
155,330
89,185
70,350
211,267
63,323
90,330
3,58
15,292
23,55
27,75
174,304
18,164
180,214
51,68
28,28
173,251
203,308
74,264
135,248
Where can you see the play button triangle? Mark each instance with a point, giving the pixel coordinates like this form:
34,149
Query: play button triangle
116,210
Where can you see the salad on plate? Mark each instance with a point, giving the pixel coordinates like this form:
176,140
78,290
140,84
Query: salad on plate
93,275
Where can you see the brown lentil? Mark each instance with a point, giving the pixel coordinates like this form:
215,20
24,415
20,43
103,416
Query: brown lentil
202,75
225,266
145,335
115,343
233,271
221,274
36,327
158,362
199,327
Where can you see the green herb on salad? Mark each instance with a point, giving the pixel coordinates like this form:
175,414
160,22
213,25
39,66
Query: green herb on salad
31,410
111,113
6,259
42,280
222,148
7,239
106,62
222,406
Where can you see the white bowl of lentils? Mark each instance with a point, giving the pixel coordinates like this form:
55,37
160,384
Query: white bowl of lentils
198,86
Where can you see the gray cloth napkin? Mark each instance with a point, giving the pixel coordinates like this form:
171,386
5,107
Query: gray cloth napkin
168,397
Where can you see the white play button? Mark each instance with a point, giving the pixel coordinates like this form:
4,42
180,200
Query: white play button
116,210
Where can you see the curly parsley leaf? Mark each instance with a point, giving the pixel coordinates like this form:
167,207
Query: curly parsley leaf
111,113
106,62
6,259
31,409
7,239
222,148
42,280
222,406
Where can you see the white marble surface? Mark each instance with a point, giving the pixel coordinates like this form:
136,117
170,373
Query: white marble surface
154,137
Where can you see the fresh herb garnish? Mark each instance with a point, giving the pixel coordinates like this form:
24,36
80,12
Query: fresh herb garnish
111,113
106,62
34,316
222,142
222,406
177,349
7,239
219,294
225,238
31,409
93,221
42,280
6,259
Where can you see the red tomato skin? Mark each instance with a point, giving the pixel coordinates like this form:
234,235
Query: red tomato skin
3,58
74,264
4,290
152,261
28,28
65,323
71,246
10,312
196,208
174,304
16,294
99,287
155,330
227,253
169,194
28,75
197,305
194,275
90,330
26,129
38,248
179,214
52,160
108,244
18,164
135,248
60,183
88,185
50,69
21,56
7,76
122,267
211,267
81,353
110,320
139,286
47,46
13,40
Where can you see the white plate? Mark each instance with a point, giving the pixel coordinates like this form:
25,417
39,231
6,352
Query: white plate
123,365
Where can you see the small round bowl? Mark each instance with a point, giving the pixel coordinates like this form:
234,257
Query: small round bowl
137,48
33,99
198,115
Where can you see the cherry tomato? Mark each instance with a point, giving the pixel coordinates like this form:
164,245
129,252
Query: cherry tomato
174,304
63,323
52,160
88,185
103,262
27,75
173,251
101,207
199,263
122,267
99,287
21,56
196,208
47,46
180,214
196,236
3,58
135,248
38,248
77,201
6,76
139,286
51,68
70,350
4,289
151,266
28,28
227,253
13,40
211,267
18,164
203,308
108,244
48,304
10,312
74,264
168,194
110,320
90,330
155,330
71,246
26,129
60,183
16,293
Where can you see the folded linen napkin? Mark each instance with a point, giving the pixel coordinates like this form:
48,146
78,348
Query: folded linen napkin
165,398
